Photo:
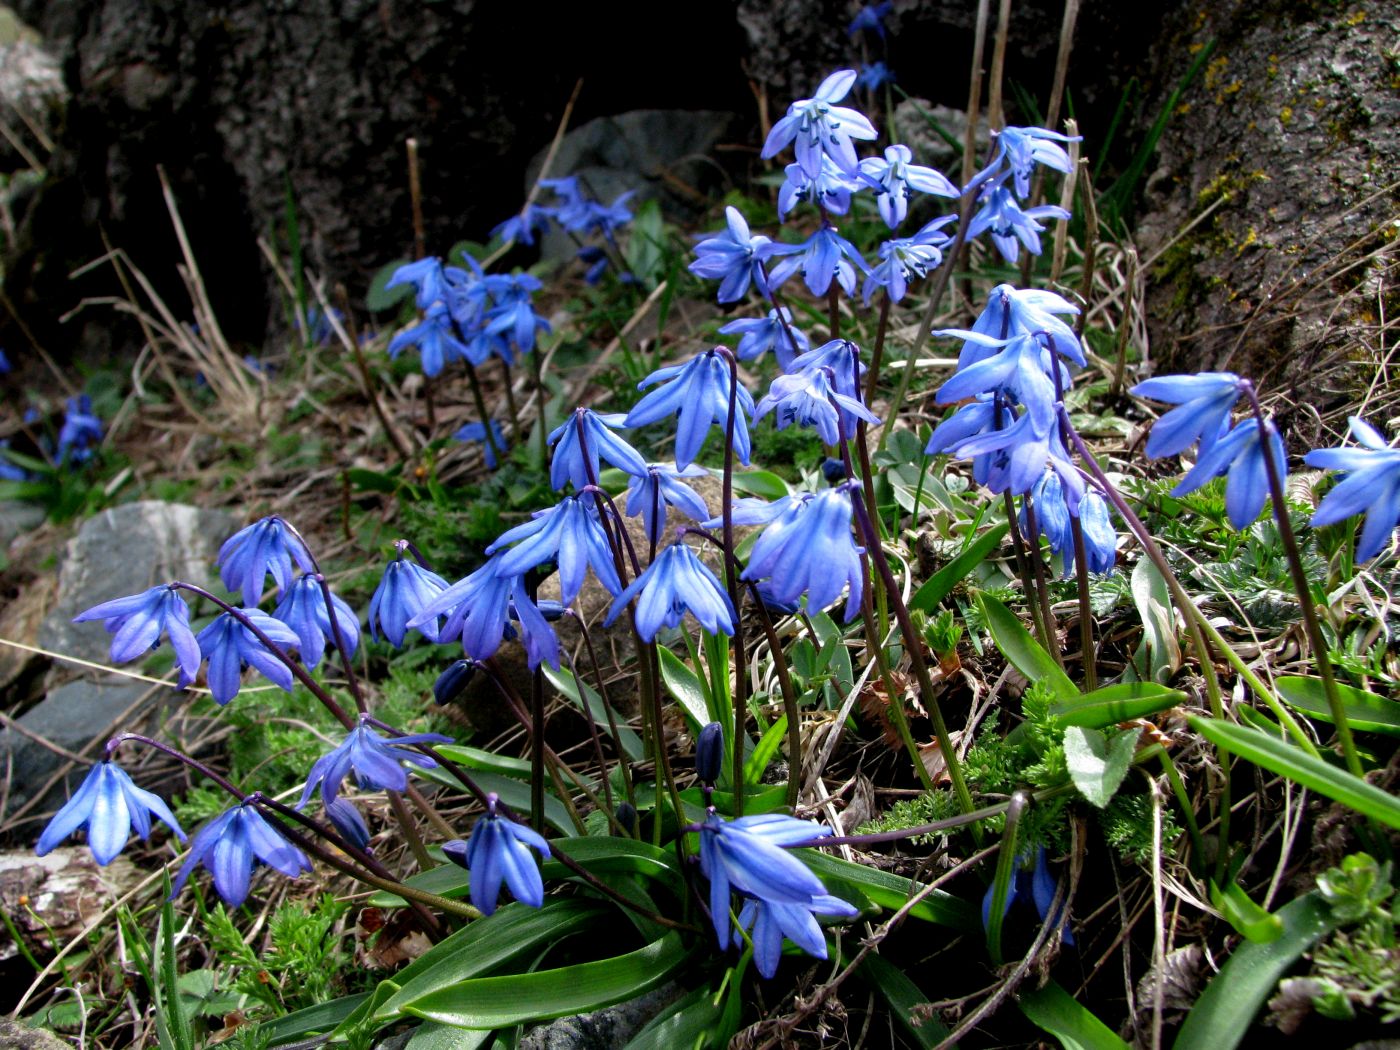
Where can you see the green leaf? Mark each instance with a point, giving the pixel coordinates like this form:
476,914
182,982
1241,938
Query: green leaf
380,296
430,1035
893,891
689,1020
1057,1012
940,584
484,945
1160,653
683,684
1222,1016
372,480
645,254
1251,920
1275,755
761,483
494,1002
314,1020
514,792
767,747
1023,651
1098,764
1365,711
1116,703
903,996
608,855
581,693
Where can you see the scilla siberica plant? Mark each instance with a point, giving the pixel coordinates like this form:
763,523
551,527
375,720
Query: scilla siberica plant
723,861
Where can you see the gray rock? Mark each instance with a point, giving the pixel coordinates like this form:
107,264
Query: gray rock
913,122
603,1029
18,518
17,1036
653,152
1277,156
124,551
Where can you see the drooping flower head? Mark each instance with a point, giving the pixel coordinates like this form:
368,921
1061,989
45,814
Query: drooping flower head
427,278
1240,454
871,19
436,339
734,257
1370,485
1023,148
1056,503
230,845
478,610
136,624
820,258
514,317
81,431
581,440
660,488
524,227
818,126
875,76
266,546
770,921
403,592
675,583
809,399
569,534
893,177
230,647
1010,226
375,759
776,332
499,851
905,259
1204,402
830,189
477,431
697,393
809,549
1034,885
109,805
304,611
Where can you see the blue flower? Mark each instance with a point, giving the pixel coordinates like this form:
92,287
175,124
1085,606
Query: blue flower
830,189
875,76
1240,453
229,846
10,471
5,366
842,358
605,219
771,921
375,760
697,392
436,340
906,258
267,545
1018,311
675,583
818,126
1017,369
757,335
81,431
576,458
1022,148
1039,886
1016,455
522,228
595,259
476,431
499,851
808,399
347,820
734,257
871,18
1059,498
822,256
515,317
809,549
650,494
109,805
570,534
229,647
136,624
754,511
1205,401
478,608
894,176
1008,223
304,611
1371,485
747,855
403,593
426,276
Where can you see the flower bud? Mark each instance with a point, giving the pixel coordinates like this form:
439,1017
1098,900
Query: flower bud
626,816
454,681
709,752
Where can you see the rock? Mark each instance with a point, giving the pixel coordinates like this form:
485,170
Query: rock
31,87
913,121
661,154
603,1029
1286,138
18,518
17,1036
19,622
53,898
127,550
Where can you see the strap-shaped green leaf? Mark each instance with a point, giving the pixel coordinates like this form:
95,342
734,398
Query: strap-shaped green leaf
1116,703
494,1002
1279,757
1023,651
941,583
1365,711
1057,1012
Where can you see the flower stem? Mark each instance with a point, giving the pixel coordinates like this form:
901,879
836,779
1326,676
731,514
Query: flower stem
732,585
1042,589
479,399
914,645
1311,624
179,756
